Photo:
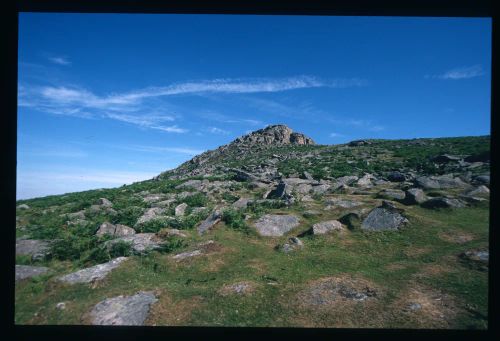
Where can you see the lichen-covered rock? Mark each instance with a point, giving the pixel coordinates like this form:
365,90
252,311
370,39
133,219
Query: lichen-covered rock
180,209
123,310
275,225
150,214
384,218
37,249
97,272
241,203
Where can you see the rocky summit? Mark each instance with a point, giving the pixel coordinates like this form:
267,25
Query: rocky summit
310,234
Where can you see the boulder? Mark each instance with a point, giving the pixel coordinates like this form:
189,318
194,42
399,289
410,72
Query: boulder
150,214
320,189
414,196
241,203
37,249
385,217
23,207
439,182
141,242
345,180
333,203
28,271
180,209
94,273
275,225
307,175
195,184
153,198
352,220
123,310
104,202
482,179
282,191
304,188
76,215
441,202
478,191
446,158
327,227
365,180
114,230
185,255
392,194
293,244
210,221
477,258
396,177
241,175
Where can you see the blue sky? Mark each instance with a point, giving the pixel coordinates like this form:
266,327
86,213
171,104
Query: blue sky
109,99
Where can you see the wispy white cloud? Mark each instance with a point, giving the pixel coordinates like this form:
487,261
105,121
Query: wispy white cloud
59,60
363,124
336,135
215,130
155,149
460,73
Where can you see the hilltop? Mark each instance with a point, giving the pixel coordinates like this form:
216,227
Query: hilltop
270,229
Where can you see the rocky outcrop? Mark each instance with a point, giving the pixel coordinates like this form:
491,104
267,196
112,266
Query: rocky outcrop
37,249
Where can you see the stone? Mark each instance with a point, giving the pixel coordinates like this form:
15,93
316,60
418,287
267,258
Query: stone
439,182
307,175
304,188
446,158
327,227
415,306
482,179
241,203
414,196
94,273
275,225
76,215
476,258
104,202
320,189
153,198
392,194
123,310
196,184
357,143
210,221
114,230
185,255
479,191
396,177
282,191
180,209
23,207
365,180
352,220
140,242
150,214
61,306
332,203
240,288
28,271
385,217
441,202
35,248
293,244
345,180
241,175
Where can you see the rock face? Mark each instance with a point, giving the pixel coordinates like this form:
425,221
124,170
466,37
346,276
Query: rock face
383,218
123,310
327,227
141,242
443,203
93,273
210,222
27,271
37,249
115,230
275,135
274,225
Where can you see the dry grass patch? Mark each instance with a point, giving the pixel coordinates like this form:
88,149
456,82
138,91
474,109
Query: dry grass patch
170,312
456,237
395,266
412,251
239,288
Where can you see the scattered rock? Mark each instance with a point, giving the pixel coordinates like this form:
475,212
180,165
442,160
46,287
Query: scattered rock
123,310
352,220
28,271
37,249
385,217
150,214
241,203
166,233
114,230
195,184
94,273
104,202
320,189
396,177
446,158
153,198
180,209
241,288
275,225
61,306
477,258
184,255
76,215
210,221
482,179
365,180
307,175
141,242
392,194
414,196
293,244
282,191
327,227
441,202
479,191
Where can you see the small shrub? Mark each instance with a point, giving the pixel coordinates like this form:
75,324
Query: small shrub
171,244
229,197
121,249
196,200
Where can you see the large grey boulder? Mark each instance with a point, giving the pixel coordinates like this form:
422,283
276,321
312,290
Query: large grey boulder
94,273
385,217
140,242
303,188
365,180
345,180
28,271
123,310
414,196
327,227
275,225
443,203
37,249
210,221
114,230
